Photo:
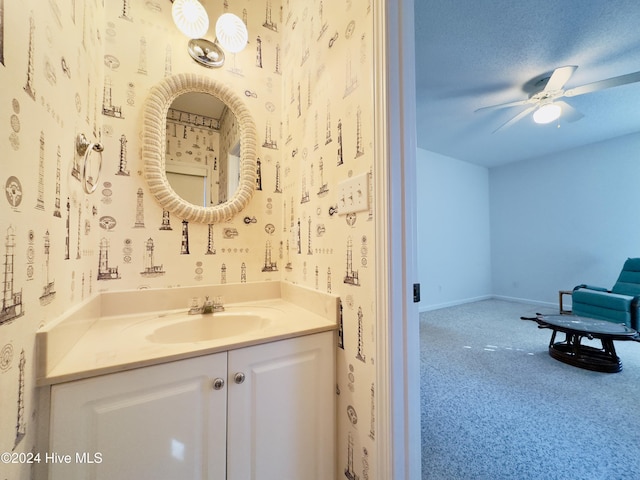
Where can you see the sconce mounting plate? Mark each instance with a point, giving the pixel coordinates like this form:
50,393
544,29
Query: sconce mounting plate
205,52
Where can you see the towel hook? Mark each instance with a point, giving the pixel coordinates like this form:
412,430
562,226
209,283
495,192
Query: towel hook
84,148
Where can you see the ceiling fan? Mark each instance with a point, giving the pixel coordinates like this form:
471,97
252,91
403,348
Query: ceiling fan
545,104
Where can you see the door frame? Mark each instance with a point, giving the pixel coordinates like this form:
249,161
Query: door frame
398,351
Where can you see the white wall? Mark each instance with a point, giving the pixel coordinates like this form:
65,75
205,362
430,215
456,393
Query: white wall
564,220
454,263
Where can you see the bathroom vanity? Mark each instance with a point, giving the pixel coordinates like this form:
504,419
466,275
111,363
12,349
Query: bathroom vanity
148,395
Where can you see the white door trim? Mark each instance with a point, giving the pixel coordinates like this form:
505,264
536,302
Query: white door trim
398,369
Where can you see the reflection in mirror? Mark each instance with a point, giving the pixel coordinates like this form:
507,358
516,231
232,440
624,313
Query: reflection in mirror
232,155
202,155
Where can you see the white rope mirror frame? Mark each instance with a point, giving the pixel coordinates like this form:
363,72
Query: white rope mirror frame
154,140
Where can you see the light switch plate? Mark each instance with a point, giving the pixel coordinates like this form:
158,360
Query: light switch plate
353,194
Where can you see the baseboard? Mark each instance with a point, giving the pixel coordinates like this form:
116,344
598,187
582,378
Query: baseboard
427,308
528,301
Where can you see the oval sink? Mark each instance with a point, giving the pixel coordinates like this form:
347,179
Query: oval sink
200,328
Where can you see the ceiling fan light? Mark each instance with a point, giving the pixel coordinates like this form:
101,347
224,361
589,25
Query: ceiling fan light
190,17
547,113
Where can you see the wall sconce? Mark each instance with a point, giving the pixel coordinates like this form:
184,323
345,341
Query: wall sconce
192,20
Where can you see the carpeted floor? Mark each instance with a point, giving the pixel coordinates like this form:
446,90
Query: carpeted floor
495,405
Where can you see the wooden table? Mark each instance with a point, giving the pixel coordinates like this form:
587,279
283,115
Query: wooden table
561,294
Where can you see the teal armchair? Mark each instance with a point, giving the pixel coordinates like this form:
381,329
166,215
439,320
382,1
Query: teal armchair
621,304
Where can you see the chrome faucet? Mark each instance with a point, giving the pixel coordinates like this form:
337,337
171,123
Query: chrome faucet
207,308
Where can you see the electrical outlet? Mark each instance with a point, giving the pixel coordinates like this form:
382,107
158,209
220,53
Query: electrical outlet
353,194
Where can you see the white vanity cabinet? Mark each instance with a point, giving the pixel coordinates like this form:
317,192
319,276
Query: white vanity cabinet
164,421
264,412
282,416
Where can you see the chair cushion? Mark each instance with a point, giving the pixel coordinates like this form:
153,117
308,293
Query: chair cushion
628,282
602,305
611,301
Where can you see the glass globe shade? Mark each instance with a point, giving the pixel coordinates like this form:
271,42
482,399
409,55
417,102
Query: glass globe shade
231,33
190,17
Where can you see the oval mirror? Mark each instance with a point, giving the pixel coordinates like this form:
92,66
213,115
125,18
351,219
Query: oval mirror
198,148
202,150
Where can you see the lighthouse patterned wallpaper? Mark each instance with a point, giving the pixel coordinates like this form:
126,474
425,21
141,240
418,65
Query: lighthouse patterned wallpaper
70,67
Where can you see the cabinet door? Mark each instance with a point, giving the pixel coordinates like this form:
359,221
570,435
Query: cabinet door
164,421
281,419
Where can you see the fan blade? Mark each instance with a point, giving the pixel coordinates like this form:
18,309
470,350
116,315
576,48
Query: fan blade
503,105
602,84
559,77
517,118
569,113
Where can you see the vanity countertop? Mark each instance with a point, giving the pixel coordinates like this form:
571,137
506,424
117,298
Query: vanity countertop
98,338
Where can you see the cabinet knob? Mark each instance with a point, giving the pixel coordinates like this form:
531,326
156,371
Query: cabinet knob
218,383
238,378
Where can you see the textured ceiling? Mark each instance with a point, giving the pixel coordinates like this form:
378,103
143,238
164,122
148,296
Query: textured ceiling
471,54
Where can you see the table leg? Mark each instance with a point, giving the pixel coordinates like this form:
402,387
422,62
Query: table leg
609,349
572,352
